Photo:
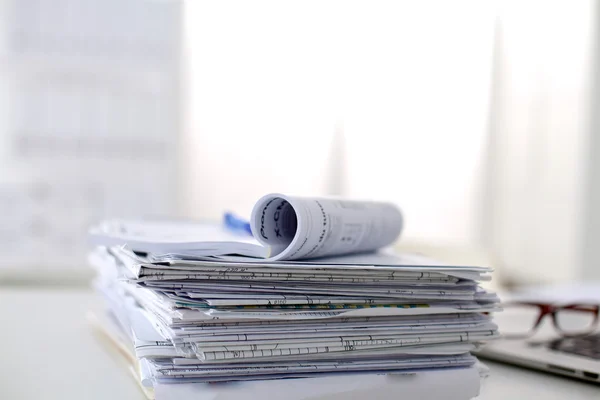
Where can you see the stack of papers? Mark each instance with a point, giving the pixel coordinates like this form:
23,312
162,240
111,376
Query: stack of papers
199,303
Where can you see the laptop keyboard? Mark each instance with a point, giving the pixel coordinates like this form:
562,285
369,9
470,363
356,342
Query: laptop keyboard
585,346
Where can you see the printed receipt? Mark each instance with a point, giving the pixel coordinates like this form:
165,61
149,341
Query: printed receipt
302,227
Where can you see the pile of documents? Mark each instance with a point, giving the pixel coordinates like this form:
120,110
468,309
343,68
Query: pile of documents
311,295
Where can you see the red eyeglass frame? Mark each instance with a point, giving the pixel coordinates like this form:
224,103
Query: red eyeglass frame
551,309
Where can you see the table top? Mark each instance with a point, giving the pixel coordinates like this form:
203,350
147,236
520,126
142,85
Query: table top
48,348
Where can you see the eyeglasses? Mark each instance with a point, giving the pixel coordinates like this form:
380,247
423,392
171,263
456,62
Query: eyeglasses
522,319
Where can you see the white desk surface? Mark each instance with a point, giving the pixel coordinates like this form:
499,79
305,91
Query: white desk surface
48,350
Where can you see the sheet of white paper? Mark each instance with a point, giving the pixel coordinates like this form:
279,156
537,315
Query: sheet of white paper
406,360
237,353
372,312
209,373
164,236
453,384
243,331
316,334
372,265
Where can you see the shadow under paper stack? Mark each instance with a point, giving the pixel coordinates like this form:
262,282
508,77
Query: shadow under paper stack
197,310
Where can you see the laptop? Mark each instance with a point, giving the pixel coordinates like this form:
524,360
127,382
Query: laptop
575,357
565,341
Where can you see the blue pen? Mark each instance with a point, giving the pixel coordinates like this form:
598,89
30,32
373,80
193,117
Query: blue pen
236,224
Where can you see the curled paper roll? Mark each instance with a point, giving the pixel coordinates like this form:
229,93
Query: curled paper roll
306,227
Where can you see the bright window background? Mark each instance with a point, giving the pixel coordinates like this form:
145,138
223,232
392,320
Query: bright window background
89,125
476,117
378,99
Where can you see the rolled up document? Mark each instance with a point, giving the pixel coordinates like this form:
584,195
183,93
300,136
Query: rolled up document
308,227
